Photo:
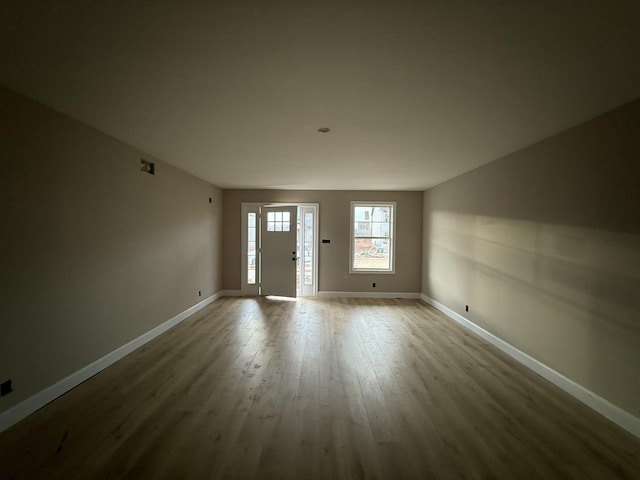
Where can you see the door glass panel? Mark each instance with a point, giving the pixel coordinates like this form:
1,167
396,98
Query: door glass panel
278,222
251,248
308,248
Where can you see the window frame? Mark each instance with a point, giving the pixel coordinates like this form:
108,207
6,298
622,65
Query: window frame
392,238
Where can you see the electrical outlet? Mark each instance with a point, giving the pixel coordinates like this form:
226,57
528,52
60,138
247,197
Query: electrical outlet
466,308
199,293
373,284
5,388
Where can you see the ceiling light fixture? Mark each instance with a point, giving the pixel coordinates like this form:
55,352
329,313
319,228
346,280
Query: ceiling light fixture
324,130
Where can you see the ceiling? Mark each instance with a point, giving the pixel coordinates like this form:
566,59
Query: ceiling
414,92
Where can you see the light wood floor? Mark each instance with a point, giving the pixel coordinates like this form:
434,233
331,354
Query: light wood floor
331,389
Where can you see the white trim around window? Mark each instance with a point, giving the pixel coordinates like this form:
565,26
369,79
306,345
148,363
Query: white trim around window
372,237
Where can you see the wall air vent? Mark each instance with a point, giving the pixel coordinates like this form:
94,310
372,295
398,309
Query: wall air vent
147,167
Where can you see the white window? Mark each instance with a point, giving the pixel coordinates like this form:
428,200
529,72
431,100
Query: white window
252,237
278,222
372,237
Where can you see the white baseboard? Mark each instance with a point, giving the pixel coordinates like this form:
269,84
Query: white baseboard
329,294
605,408
40,399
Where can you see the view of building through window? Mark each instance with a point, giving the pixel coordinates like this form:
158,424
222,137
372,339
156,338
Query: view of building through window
251,247
372,237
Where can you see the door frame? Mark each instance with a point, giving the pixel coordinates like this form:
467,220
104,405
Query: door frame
254,207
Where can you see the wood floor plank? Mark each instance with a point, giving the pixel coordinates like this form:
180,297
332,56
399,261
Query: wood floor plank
317,389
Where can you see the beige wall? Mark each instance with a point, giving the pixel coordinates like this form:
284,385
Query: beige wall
94,253
333,270
544,247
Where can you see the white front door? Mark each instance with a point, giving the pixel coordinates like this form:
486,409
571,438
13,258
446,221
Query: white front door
278,257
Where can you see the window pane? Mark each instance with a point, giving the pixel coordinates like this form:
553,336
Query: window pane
371,255
285,226
362,229
251,248
380,230
271,226
308,270
278,216
361,248
308,248
285,217
381,214
361,213
271,216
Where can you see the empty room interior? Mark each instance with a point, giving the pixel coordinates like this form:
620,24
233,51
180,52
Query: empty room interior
291,240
